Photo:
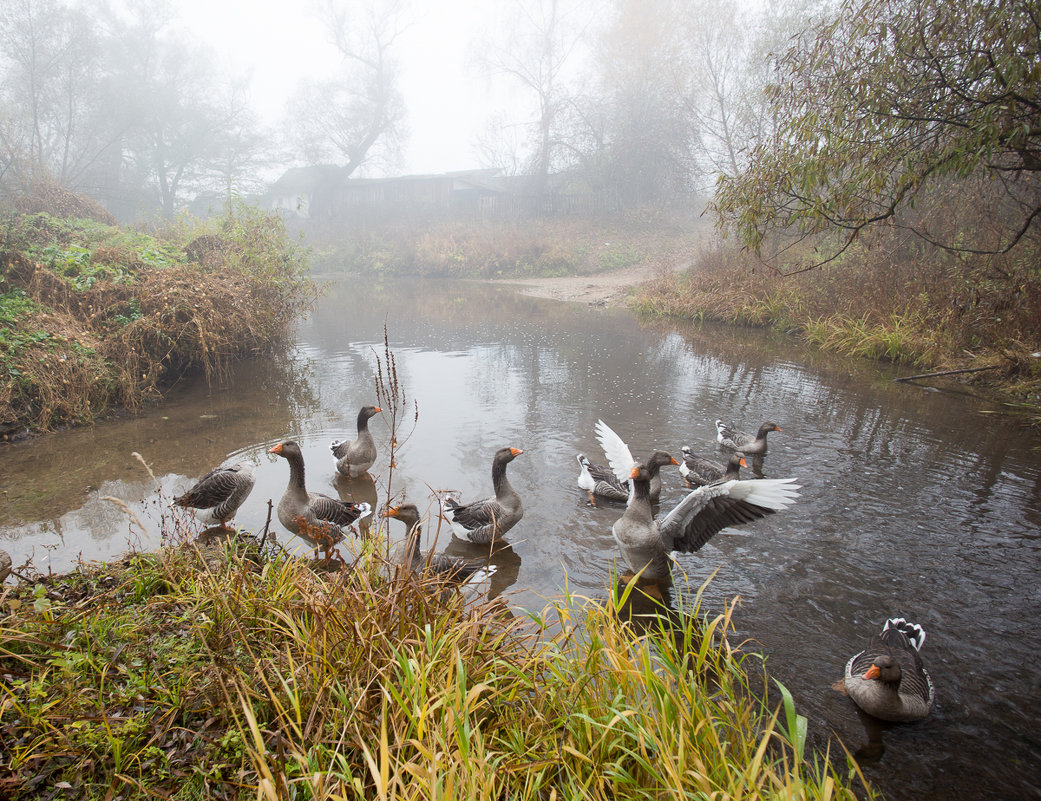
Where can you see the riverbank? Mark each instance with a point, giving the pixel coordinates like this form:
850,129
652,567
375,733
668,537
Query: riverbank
230,668
941,336
96,318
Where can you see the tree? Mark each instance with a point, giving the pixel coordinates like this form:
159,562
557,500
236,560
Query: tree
893,100
538,55
54,81
189,124
731,47
358,115
645,82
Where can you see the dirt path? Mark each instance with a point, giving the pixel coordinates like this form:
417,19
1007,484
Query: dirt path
602,289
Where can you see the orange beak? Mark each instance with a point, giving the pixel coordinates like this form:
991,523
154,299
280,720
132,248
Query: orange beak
634,472
276,449
516,451
392,511
378,409
743,463
672,460
872,673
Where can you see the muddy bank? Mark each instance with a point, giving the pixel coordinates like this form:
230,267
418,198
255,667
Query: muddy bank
613,288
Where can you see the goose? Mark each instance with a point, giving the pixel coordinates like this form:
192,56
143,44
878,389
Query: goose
737,440
486,520
598,480
355,457
218,494
310,514
453,569
621,461
887,679
647,543
697,471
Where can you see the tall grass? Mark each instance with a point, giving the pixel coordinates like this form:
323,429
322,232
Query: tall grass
887,297
241,673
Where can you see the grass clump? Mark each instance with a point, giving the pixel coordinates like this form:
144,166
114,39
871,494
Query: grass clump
886,297
239,673
95,317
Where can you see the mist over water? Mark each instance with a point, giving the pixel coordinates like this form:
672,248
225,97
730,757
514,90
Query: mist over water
913,502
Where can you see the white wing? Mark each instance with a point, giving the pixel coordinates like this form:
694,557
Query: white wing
711,508
617,452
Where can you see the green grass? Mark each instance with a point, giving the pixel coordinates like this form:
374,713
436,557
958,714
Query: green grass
95,317
247,674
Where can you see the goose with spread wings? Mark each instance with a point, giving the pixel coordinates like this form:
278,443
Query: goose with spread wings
613,482
647,543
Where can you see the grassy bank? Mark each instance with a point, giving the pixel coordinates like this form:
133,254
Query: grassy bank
234,672
884,298
506,248
95,317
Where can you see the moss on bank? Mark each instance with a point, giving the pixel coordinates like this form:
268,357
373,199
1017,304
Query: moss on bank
95,317
230,671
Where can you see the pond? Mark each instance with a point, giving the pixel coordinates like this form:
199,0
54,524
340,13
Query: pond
913,502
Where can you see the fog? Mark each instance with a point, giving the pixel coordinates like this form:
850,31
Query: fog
150,107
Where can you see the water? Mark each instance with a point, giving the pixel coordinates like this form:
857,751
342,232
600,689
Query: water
914,502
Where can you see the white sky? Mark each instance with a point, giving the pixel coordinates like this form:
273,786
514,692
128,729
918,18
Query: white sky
276,43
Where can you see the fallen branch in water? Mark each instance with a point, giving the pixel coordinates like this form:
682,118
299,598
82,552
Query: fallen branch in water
948,372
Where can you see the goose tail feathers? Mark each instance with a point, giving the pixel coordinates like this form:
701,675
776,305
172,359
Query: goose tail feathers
915,634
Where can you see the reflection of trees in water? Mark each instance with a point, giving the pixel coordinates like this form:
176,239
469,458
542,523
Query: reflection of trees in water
193,431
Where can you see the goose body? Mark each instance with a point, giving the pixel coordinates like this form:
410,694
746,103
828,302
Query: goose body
735,439
311,514
697,471
601,482
485,520
887,679
613,482
218,494
357,456
646,543
453,569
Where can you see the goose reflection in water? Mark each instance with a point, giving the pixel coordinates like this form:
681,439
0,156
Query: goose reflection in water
361,489
502,554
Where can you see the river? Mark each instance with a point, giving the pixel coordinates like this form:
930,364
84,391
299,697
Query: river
915,502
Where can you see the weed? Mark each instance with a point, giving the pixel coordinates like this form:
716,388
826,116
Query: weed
94,316
231,675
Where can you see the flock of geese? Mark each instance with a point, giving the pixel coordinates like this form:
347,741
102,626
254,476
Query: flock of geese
886,679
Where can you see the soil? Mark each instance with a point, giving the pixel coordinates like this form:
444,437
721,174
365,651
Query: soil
601,289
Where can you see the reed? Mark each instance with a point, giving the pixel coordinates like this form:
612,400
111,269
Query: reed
241,672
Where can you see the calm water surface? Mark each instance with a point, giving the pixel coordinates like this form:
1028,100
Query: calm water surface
914,502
